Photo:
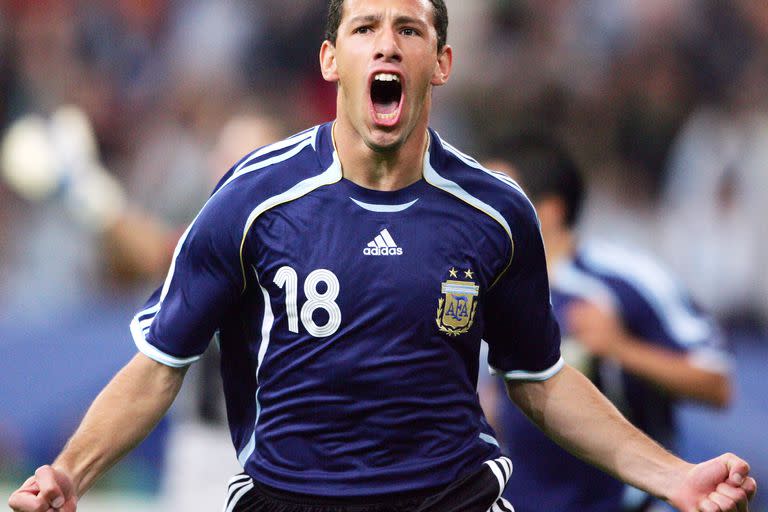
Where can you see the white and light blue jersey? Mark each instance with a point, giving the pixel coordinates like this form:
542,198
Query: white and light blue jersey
350,319
651,305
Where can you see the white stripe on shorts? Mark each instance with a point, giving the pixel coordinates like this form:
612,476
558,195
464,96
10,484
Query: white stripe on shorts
502,470
238,486
502,505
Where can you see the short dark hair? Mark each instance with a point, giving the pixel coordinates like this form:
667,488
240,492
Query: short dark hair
545,169
335,8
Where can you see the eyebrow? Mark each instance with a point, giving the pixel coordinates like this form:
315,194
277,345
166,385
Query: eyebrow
402,19
409,20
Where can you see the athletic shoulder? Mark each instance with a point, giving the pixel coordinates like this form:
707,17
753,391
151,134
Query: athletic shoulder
275,167
260,179
491,191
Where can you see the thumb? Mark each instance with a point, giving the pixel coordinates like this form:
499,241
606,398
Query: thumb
738,469
50,491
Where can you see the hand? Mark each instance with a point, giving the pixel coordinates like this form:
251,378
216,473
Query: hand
49,490
597,328
722,484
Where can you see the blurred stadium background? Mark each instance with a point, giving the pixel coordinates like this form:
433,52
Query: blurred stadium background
664,103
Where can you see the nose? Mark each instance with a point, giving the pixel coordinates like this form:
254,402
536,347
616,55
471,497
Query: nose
387,48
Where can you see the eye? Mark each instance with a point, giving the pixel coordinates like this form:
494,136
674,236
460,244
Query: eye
362,30
408,31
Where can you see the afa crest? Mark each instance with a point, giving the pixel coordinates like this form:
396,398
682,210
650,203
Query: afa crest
457,306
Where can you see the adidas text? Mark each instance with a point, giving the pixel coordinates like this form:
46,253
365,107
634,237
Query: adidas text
383,251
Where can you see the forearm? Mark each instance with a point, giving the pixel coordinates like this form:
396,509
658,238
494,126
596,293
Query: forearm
123,414
673,372
570,410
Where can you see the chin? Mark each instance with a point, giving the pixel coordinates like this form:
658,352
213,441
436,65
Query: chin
384,143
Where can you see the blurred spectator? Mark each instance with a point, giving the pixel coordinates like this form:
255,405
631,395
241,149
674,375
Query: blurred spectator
715,195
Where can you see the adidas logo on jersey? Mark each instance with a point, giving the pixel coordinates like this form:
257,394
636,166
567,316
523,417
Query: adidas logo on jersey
383,245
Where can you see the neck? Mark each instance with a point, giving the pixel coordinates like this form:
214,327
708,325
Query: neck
391,169
559,246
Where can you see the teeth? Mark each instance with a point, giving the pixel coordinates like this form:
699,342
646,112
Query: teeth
387,77
386,116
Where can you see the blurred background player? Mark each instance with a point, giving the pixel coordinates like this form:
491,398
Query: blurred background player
626,324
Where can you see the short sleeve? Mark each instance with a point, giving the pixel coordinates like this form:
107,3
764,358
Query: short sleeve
656,307
520,327
668,317
204,282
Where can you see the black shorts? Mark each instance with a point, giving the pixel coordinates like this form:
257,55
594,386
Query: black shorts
478,492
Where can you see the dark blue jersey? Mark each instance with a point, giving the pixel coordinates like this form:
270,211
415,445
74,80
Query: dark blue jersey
651,306
350,319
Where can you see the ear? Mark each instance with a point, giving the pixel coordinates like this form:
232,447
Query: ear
328,61
443,66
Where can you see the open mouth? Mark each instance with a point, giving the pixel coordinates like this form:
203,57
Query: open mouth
386,97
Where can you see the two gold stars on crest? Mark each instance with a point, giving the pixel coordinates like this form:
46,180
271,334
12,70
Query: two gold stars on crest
455,273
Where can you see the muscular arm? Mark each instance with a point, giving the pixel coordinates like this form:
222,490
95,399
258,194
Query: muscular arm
123,414
569,409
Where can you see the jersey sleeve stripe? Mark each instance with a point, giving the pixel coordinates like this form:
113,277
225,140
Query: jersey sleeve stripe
251,168
148,313
531,376
156,354
277,146
142,321
254,166
327,177
571,280
475,164
657,288
453,188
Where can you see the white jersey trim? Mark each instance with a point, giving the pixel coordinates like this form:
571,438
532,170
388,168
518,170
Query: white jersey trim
656,286
571,280
303,141
155,353
294,139
328,177
266,330
140,327
477,165
453,188
383,208
532,376
489,439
